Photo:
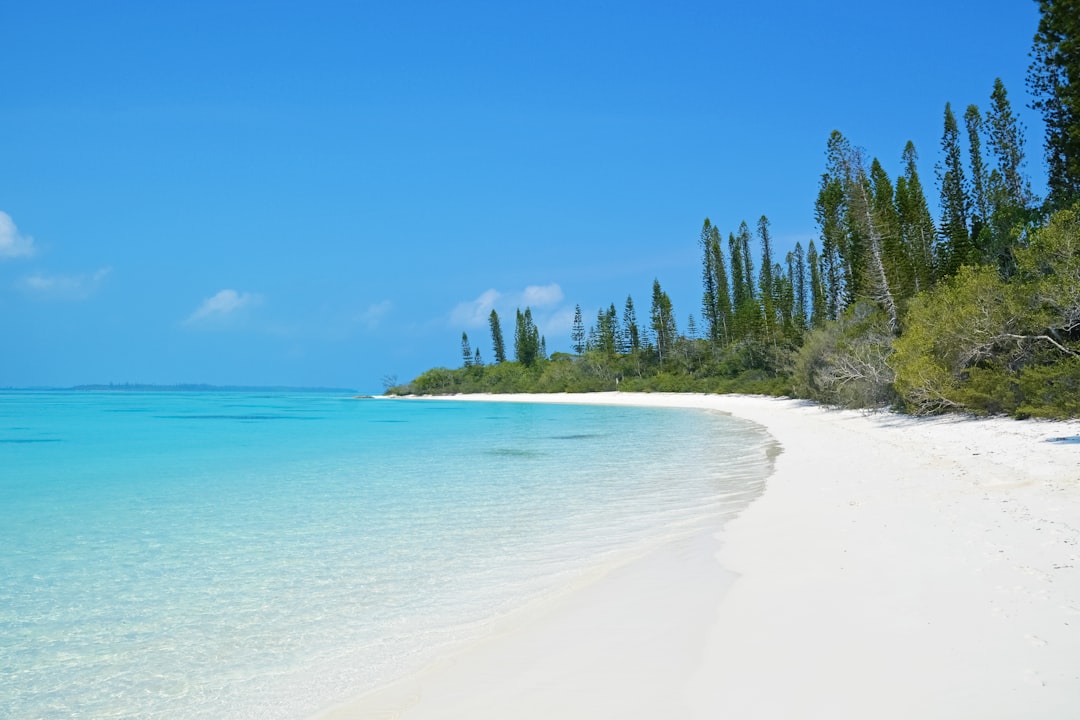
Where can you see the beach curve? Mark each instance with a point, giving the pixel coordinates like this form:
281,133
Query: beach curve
894,567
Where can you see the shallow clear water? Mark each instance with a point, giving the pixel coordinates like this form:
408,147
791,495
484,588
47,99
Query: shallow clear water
244,555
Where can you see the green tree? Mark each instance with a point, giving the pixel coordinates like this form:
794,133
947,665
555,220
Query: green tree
916,225
723,291
850,245
954,198
819,312
829,213
631,333
747,318
1054,80
980,200
577,331
497,343
716,297
1006,141
663,321
869,222
604,335
466,351
1008,187
526,339
765,281
797,271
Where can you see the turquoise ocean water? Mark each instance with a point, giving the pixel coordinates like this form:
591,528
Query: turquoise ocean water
264,555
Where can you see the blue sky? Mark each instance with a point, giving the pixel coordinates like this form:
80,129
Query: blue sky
327,193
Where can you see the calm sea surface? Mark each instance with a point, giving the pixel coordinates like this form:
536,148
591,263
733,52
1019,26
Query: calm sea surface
246,555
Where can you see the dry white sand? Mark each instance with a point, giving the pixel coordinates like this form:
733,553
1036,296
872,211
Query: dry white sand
894,568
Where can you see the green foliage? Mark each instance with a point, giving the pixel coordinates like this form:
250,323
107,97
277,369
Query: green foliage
984,344
1051,391
526,339
1054,79
846,362
955,204
981,314
497,343
949,330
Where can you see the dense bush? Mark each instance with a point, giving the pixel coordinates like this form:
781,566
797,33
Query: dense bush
846,362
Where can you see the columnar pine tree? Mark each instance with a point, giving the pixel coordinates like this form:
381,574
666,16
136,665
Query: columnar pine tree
748,260
980,200
740,294
867,222
710,310
466,351
631,333
819,302
783,294
1006,141
498,346
723,293
828,211
850,245
1054,79
747,311
896,266
917,231
797,272
577,332
604,333
768,297
1008,190
954,198
663,321
526,339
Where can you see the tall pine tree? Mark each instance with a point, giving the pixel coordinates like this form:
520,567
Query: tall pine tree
631,332
768,289
577,331
955,204
1054,80
497,343
917,233
663,322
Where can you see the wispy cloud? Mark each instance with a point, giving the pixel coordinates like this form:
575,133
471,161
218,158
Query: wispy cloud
65,287
373,314
541,295
12,243
219,309
557,323
474,313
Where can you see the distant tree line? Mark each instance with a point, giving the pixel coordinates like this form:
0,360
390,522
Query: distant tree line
978,310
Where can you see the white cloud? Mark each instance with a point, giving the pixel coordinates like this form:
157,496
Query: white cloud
373,315
65,287
12,244
474,313
225,304
541,295
558,323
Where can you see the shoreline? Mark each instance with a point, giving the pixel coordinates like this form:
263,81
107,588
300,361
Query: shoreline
893,567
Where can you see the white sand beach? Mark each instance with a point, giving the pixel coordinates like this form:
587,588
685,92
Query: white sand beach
893,568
